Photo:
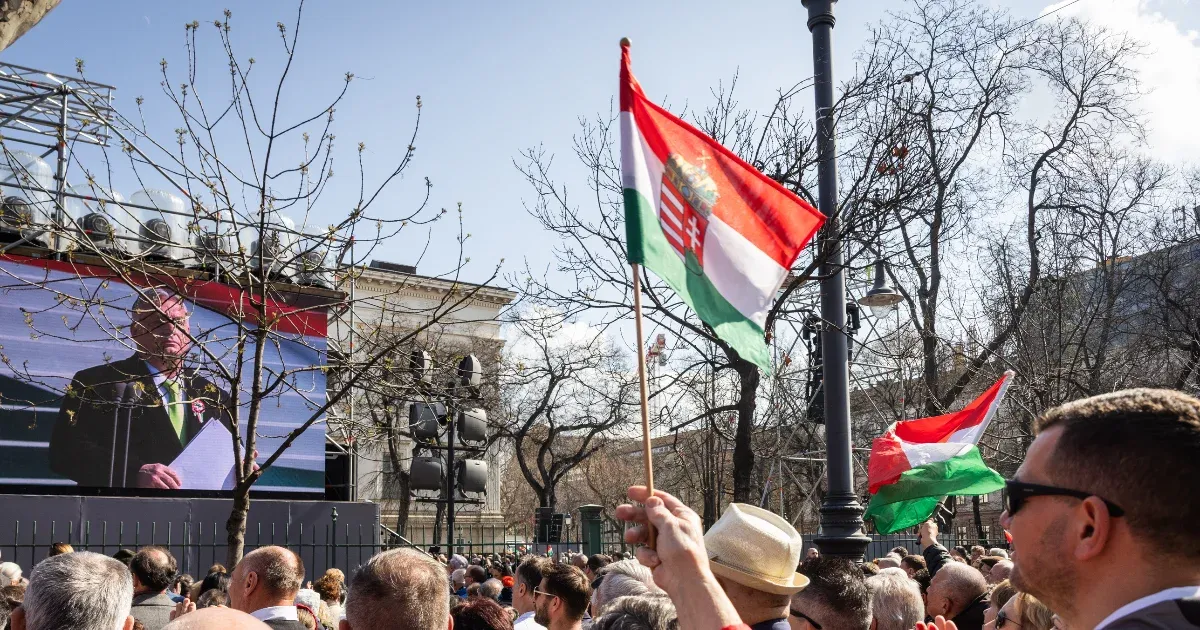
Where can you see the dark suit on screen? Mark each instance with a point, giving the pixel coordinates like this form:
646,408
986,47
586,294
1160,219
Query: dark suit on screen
81,445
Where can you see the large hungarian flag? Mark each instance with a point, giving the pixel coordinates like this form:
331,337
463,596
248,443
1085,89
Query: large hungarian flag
916,463
720,233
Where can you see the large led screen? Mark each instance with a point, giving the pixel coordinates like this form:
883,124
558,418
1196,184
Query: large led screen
111,385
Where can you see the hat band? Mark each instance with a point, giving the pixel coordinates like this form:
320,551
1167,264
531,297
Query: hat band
759,574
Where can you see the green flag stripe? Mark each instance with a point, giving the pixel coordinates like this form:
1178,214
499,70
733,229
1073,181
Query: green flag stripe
912,498
648,245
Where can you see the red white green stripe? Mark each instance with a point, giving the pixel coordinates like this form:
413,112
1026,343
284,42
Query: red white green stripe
720,233
915,463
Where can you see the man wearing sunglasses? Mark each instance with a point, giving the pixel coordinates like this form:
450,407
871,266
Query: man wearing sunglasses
562,597
1103,512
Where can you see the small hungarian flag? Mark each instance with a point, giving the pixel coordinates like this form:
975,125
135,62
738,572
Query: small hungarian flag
916,463
720,233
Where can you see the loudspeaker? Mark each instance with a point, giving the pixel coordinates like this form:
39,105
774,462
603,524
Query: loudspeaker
472,475
427,473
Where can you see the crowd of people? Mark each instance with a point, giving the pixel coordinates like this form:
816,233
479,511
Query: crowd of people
1102,516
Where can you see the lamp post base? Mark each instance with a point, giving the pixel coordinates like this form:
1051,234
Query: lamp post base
841,534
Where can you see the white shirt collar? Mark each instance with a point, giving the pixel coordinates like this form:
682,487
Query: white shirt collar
526,620
275,612
1178,592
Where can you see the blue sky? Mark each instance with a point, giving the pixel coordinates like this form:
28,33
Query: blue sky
495,78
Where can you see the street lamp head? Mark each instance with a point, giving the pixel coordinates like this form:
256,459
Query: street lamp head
882,298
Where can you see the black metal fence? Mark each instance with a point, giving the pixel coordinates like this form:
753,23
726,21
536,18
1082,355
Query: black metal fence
195,545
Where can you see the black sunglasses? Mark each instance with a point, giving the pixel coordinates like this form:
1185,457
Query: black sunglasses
1003,620
797,613
1017,492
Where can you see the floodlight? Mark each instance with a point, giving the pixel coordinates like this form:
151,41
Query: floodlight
471,475
472,425
99,220
27,204
470,372
427,473
423,421
162,230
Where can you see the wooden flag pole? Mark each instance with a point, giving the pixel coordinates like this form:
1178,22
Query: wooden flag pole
647,455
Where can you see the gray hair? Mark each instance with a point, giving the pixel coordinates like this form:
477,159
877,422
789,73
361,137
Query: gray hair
896,602
996,551
459,577
623,579
398,589
642,612
491,588
81,590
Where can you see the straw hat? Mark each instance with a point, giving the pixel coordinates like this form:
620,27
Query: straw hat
756,548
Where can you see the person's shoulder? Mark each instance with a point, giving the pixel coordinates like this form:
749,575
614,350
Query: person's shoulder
1171,614
112,371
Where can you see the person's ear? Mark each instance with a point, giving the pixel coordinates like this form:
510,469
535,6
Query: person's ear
874,624
449,622
129,623
344,625
1093,528
250,583
17,619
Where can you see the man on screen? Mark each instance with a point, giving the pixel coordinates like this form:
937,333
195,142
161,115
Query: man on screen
169,403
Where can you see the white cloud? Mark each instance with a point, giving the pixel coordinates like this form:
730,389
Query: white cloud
1169,71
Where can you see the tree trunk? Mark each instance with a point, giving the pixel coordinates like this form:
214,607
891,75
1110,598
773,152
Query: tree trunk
18,16
405,503
547,497
437,525
743,454
235,527
978,521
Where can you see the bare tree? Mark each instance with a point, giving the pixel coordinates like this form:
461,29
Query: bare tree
565,388
967,68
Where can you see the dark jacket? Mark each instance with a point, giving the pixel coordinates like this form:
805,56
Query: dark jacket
971,618
935,556
285,624
1173,614
152,609
83,446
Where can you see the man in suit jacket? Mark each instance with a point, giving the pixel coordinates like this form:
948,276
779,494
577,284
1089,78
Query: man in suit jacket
1103,511
95,446
265,584
153,571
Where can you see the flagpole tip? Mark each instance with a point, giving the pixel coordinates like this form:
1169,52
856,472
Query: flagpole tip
625,43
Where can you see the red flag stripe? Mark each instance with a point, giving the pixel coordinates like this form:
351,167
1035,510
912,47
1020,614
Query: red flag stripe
770,216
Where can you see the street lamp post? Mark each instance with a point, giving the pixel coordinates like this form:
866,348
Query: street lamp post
841,514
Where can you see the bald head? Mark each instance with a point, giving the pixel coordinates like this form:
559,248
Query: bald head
216,618
270,576
953,589
398,589
1000,571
